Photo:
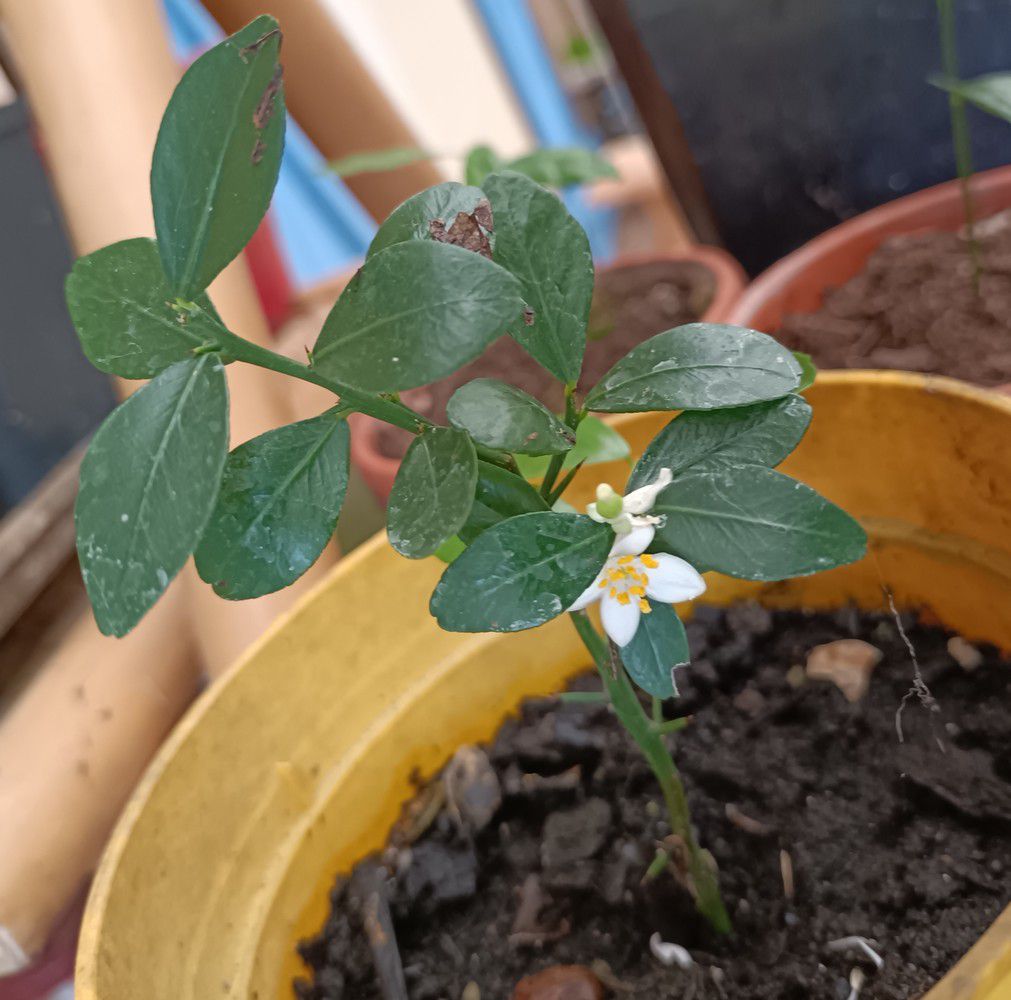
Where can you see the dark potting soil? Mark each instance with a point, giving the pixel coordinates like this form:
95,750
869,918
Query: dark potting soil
913,307
630,304
907,844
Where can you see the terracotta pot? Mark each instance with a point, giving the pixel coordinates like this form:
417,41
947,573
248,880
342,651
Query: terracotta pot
379,470
798,282
297,762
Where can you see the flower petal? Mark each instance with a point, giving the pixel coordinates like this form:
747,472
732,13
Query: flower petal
619,620
641,500
634,542
592,593
674,580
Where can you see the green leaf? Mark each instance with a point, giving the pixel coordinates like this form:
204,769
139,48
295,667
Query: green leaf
499,494
449,549
501,416
808,370
148,485
480,162
756,524
558,168
700,366
990,93
711,440
545,247
596,442
433,492
411,219
217,156
378,160
277,509
119,300
413,314
658,646
521,573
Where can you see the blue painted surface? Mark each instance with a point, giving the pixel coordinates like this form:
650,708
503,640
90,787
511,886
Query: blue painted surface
321,227
527,63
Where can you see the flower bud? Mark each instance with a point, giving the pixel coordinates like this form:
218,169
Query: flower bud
609,503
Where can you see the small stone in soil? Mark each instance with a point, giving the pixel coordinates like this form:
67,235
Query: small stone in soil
472,788
439,873
560,982
573,835
964,653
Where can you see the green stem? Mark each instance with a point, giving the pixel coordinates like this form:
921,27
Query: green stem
573,418
959,131
641,729
389,410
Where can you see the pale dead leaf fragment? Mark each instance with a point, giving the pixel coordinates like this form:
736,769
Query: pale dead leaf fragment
847,663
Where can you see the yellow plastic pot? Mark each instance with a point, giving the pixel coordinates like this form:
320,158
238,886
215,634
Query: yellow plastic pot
298,761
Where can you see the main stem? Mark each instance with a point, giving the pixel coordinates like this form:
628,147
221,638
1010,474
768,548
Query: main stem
959,130
651,743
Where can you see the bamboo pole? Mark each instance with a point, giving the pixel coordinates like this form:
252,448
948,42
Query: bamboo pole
334,98
98,76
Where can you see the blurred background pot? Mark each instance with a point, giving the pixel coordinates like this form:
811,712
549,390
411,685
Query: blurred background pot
297,763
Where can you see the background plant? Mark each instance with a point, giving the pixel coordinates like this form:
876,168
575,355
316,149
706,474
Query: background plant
451,270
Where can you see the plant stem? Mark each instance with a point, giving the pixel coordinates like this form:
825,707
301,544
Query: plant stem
573,418
388,410
641,729
959,130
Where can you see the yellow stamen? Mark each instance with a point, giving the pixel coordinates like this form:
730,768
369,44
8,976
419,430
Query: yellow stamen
637,591
650,561
644,606
614,591
602,584
625,560
614,575
622,597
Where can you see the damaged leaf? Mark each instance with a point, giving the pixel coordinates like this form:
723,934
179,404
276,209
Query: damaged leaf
412,219
658,646
217,156
538,241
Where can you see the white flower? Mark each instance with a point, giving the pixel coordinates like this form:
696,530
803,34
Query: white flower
625,513
630,576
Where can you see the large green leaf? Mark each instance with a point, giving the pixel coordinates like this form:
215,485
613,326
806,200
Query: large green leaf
596,442
755,523
411,219
413,314
217,156
480,162
545,247
990,92
277,509
521,573
148,485
499,494
119,301
558,168
710,440
658,646
501,416
700,366
433,492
